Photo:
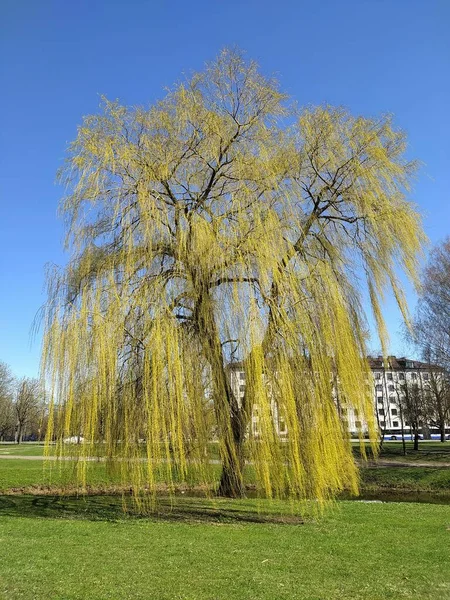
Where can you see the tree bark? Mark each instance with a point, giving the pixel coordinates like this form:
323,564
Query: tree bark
230,415
442,431
19,434
232,477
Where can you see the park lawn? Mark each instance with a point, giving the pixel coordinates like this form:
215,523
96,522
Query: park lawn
27,449
427,479
37,475
428,452
20,475
358,551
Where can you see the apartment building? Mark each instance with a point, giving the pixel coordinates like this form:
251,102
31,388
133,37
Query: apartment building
389,377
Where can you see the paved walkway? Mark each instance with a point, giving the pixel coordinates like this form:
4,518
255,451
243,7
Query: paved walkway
398,463
370,463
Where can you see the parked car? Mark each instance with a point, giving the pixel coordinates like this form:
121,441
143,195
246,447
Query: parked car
393,437
74,439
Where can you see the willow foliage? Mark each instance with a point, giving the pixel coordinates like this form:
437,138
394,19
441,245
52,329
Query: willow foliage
220,226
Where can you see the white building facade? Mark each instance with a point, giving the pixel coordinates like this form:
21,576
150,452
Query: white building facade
389,377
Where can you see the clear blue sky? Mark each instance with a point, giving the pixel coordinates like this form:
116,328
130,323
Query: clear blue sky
371,56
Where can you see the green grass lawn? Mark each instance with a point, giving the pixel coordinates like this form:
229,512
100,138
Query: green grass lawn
28,449
357,551
68,547
428,452
35,475
407,478
20,473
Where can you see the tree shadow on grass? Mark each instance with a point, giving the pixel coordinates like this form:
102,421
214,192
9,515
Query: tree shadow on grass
120,508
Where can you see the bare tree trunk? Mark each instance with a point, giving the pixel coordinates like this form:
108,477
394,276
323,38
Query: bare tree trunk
442,431
402,424
441,420
416,440
403,440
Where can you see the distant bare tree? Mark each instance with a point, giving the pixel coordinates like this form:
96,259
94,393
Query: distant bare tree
414,407
437,398
27,405
432,323
6,398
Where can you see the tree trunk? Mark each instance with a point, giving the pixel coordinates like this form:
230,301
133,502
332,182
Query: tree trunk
403,427
19,434
416,440
232,478
442,431
403,442
230,415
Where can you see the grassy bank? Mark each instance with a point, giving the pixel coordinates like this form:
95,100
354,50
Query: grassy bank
393,451
34,476
407,478
92,552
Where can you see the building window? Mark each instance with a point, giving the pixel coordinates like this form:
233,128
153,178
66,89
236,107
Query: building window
379,388
382,423
242,376
380,400
377,375
394,412
401,376
389,376
392,399
381,411
391,388
242,388
395,424
358,424
281,425
426,376
414,376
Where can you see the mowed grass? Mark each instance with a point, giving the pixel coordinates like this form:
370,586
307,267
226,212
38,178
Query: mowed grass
426,479
38,475
428,451
64,547
201,551
17,474
27,449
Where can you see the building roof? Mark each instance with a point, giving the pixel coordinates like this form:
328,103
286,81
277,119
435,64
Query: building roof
375,362
399,364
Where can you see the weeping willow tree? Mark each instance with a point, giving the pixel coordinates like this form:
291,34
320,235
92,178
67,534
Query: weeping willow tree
223,225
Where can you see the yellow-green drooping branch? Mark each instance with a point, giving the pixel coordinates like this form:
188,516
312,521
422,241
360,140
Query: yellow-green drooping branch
208,238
